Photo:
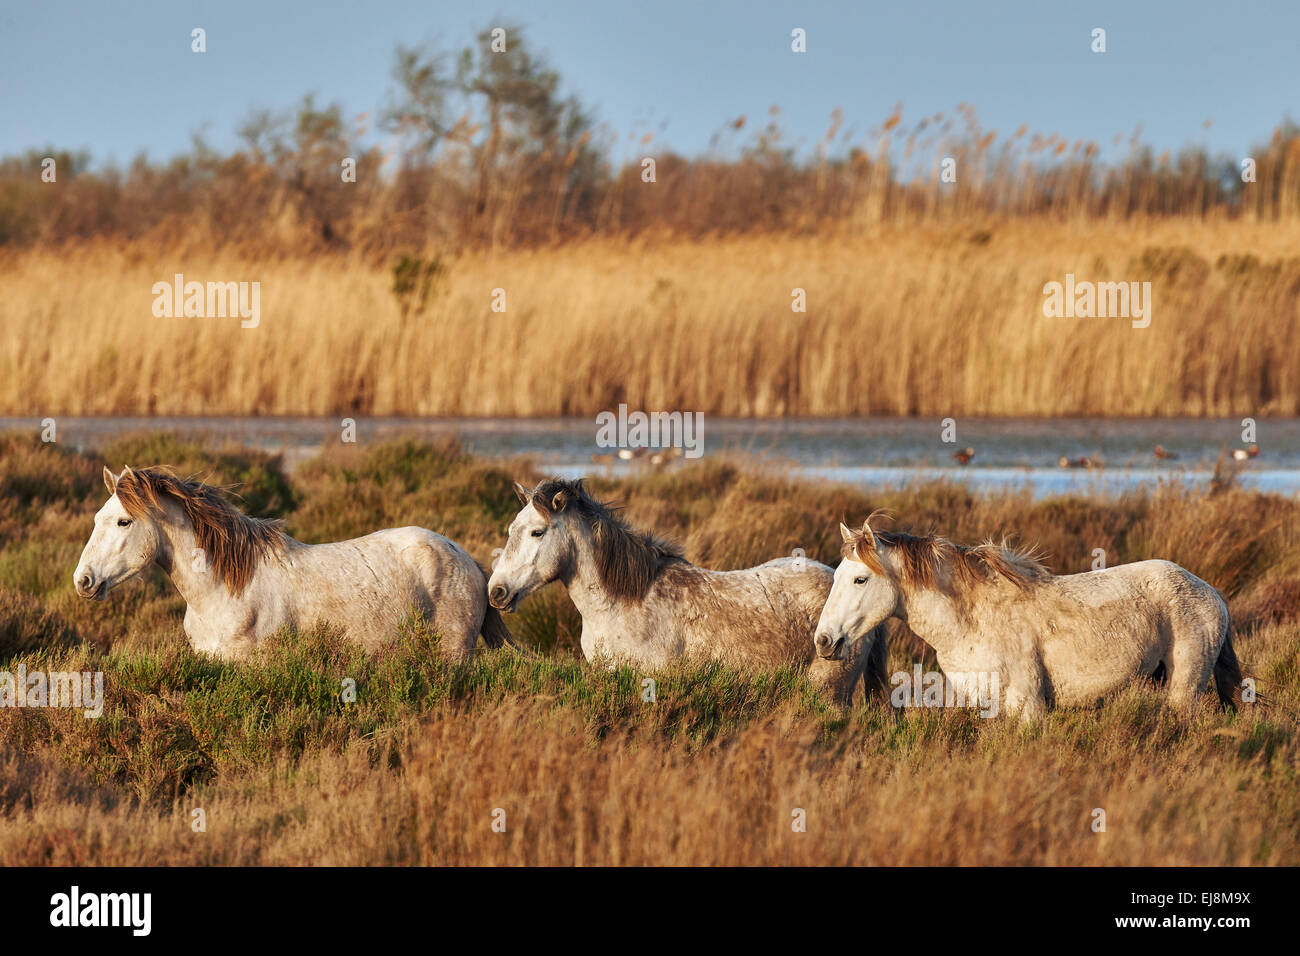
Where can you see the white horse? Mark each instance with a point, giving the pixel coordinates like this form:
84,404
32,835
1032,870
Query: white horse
643,603
1065,640
244,578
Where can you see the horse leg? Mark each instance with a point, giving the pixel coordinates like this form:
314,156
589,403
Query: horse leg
456,616
458,628
1025,695
1027,706
1190,667
875,675
1227,675
452,588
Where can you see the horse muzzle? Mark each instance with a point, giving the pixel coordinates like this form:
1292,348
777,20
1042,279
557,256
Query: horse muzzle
90,588
828,649
501,598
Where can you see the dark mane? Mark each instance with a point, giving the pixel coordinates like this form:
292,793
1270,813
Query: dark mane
922,559
627,560
232,542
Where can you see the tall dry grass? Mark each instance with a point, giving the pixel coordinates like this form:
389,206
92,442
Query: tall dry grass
930,320
933,791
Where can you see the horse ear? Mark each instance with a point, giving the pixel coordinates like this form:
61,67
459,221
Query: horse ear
558,502
846,533
867,533
523,493
866,525
110,482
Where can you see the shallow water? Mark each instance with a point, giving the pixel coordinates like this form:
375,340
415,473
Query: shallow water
1009,453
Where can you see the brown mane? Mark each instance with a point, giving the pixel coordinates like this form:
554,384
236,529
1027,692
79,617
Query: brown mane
923,559
232,541
627,560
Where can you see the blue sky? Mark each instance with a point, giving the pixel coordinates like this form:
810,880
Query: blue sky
117,77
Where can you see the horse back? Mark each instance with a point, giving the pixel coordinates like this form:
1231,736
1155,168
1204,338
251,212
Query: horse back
763,615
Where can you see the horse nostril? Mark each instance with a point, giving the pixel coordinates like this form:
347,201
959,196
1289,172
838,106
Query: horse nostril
84,582
821,640
498,594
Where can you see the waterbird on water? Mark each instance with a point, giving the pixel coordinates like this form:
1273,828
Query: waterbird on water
655,459
1091,462
1165,455
1241,454
964,456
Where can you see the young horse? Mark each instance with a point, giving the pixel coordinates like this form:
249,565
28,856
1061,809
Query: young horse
243,578
1067,640
642,602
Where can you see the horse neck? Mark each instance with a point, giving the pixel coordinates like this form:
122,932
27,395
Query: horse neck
198,585
582,578
931,614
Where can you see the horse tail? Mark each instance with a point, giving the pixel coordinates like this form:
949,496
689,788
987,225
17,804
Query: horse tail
875,676
495,633
1227,675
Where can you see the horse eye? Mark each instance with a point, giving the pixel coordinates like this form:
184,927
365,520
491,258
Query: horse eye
123,522
539,532
859,580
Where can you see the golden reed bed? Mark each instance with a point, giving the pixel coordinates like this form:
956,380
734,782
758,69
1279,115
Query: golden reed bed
925,320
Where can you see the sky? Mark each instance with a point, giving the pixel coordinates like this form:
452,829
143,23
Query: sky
117,77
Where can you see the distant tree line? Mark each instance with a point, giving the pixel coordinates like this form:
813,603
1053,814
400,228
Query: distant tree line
485,151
